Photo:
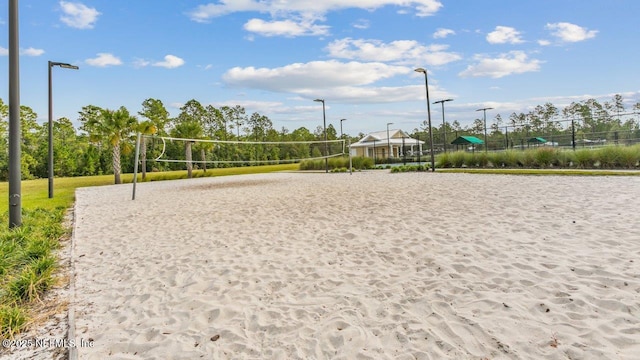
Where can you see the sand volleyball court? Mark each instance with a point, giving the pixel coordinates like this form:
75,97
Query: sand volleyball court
365,266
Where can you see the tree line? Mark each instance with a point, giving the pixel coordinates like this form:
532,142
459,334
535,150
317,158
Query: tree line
587,119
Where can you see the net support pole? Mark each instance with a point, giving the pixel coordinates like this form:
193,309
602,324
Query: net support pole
350,160
135,166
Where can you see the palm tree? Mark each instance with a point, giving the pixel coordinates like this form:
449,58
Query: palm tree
145,128
188,130
114,126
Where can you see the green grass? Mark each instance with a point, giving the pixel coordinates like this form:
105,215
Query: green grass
607,157
566,172
27,262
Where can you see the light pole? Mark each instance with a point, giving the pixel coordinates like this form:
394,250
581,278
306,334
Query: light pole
324,123
388,142
341,120
444,129
15,177
484,111
50,66
426,85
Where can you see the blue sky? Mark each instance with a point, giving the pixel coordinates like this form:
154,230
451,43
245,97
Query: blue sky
276,56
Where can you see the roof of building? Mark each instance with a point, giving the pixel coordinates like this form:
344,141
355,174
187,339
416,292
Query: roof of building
396,137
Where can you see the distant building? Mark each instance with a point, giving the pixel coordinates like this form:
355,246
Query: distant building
376,145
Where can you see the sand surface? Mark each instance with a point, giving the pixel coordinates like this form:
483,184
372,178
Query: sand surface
365,266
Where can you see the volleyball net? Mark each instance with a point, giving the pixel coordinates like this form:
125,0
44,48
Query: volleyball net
209,153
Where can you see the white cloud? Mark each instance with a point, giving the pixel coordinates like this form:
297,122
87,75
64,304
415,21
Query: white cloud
442,33
570,32
27,52
170,62
104,60
544,42
78,15
31,52
287,28
362,24
140,63
312,75
400,51
504,35
204,13
514,62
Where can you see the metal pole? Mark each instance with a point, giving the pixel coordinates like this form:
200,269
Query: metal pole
135,166
51,64
388,144
484,110
326,150
426,86
506,137
350,159
573,135
15,176
50,162
444,130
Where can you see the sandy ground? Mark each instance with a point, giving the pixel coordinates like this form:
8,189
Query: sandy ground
365,266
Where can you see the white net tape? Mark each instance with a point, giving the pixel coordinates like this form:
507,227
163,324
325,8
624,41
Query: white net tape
264,152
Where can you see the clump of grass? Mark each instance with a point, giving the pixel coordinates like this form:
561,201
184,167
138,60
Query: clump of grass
564,159
544,157
359,163
409,168
458,159
584,159
12,318
32,281
629,157
609,157
27,265
444,161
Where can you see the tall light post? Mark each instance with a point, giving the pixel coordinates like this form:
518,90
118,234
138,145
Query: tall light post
426,85
388,142
484,110
341,137
50,66
324,123
15,176
444,129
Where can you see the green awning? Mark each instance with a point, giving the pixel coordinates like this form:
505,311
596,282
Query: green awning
537,140
464,140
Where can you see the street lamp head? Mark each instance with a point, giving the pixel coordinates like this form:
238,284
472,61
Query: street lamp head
421,70
69,66
63,65
319,100
442,101
484,109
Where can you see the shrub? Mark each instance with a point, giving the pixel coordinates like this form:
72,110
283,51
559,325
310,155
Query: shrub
564,158
629,157
584,159
528,159
608,156
544,156
482,159
458,158
444,161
